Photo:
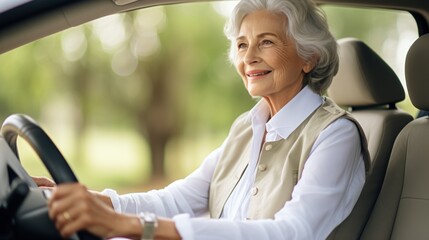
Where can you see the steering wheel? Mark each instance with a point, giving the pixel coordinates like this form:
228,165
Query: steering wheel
31,220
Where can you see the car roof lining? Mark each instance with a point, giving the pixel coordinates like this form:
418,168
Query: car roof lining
69,15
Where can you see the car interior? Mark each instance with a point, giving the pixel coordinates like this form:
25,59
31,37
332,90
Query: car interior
394,203
402,208
369,89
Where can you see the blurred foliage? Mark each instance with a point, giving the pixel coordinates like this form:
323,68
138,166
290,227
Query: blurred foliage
102,88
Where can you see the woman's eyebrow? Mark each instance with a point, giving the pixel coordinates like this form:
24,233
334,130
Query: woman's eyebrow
267,34
261,35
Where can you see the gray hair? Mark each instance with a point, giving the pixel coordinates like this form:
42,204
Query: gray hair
306,25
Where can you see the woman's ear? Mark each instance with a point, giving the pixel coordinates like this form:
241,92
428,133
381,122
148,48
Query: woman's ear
310,64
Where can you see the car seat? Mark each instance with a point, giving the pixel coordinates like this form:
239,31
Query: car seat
369,89
402,209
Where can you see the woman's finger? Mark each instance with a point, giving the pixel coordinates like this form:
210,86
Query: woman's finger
66,197
74,208
67,216
79,217
69,227
43,182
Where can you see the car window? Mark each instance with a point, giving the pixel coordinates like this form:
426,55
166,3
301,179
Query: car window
389,33
111,91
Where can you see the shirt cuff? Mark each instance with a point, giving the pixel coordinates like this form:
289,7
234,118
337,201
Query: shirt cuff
184,226
114,197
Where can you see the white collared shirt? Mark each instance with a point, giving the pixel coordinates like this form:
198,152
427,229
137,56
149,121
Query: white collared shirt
295,112
330,185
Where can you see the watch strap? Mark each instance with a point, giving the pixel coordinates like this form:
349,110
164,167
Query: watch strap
149,223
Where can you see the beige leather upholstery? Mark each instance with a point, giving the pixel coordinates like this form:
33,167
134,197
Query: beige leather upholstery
417,73
363,78
402,209
369,88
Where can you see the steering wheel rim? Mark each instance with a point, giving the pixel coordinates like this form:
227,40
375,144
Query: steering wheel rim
24,126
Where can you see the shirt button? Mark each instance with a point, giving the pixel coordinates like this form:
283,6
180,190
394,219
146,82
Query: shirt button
254,191
262,167
268,147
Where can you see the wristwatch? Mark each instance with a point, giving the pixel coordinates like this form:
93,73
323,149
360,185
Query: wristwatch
149,222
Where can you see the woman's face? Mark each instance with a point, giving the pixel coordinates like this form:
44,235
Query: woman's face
267,59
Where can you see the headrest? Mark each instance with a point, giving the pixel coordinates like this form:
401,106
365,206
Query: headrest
417,72
363,78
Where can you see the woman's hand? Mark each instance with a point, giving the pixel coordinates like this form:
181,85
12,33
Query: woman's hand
44,182
73,208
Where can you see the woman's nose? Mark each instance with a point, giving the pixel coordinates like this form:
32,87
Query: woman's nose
252,55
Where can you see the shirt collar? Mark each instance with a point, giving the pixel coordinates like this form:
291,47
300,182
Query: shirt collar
260,113
283,123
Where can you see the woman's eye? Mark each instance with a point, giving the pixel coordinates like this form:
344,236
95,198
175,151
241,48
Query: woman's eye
266,42
241,45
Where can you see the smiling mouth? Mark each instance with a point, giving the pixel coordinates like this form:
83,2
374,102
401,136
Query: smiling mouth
258,74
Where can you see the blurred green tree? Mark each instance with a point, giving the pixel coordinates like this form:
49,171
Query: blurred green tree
188,81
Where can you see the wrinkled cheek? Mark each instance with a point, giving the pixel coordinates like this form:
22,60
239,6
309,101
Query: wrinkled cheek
281,75
282,56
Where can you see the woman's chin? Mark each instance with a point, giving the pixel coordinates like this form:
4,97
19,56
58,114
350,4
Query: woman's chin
254,95
254,92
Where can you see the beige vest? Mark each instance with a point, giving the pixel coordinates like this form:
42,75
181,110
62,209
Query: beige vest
280,163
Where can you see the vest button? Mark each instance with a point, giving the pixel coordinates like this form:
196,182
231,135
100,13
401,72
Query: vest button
262,167
268,147
254,191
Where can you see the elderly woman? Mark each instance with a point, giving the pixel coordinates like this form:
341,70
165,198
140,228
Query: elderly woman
291,168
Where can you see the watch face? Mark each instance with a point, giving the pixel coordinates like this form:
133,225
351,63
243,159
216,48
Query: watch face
149,217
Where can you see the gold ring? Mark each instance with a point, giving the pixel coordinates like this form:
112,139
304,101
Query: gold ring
66,216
